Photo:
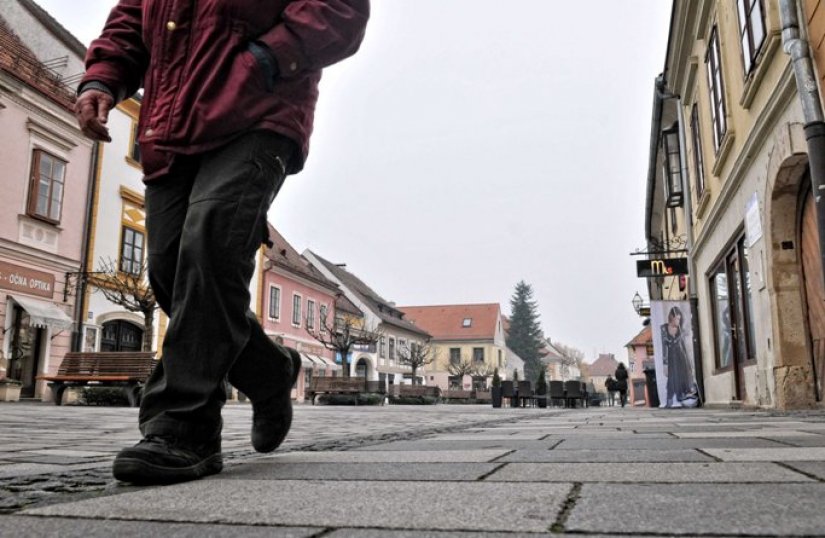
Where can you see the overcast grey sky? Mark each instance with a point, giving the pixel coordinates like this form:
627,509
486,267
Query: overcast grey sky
474,143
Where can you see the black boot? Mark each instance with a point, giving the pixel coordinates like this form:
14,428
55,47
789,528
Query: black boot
272,417
160,459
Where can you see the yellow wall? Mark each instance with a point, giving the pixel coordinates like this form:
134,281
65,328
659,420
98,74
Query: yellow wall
490,355
815,12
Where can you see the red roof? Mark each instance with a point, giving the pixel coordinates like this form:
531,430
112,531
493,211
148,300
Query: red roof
605,365
643,338
18,60
447,322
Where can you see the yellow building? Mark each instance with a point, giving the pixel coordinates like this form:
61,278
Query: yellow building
735,178
471,335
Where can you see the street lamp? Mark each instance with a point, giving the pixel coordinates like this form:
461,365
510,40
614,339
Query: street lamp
637,303
673,165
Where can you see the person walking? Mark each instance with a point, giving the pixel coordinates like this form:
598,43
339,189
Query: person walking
230,89
621,382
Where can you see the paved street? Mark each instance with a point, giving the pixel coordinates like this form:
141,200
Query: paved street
400,471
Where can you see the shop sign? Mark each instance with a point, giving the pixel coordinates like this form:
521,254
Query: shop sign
661,267
16,278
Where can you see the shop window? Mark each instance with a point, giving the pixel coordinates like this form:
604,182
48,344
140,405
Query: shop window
48,174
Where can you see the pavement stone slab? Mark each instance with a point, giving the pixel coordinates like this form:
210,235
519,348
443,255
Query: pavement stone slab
768,454
693,509
297,503
605,456
393,456
95,528
766,432
274,470
384,533
429,444
665,444
676,473
813,468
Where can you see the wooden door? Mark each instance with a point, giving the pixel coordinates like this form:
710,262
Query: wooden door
814,288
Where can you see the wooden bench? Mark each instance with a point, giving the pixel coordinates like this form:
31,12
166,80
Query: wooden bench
417,391
129,370
342,385
484,395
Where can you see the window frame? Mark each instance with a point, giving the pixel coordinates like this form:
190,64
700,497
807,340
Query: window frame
124,228
716,89
698,154
476,360
133,151
310,314
745,10
296,312
391,348
323,312
457,355
277,304
34,187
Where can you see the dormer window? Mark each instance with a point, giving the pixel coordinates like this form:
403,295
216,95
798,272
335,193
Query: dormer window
468,322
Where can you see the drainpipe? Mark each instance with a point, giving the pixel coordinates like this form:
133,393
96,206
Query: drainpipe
800,53
80,287
692,273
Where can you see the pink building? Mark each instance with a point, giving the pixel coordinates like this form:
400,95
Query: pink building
295,297
45,184
640,357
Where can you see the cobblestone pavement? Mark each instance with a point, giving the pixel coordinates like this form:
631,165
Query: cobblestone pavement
399,471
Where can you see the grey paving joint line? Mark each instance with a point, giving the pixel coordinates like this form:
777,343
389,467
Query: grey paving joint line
567,508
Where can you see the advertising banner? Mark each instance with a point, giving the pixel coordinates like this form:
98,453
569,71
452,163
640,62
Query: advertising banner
673,353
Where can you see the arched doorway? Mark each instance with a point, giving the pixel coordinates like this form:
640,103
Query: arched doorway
814,287
121,335
362,367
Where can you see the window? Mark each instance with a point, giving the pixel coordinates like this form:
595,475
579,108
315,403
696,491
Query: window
499,358
721,316
649,349
48,174
468,322
131,251
717,90
296,310
455,355
322,314
134,146
751,30
392,349
307,378
310,314
274,303
478,355
698,158
382,345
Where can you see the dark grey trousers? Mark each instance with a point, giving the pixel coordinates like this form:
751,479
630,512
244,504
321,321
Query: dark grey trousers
205,221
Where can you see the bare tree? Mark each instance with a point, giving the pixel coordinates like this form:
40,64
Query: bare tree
416,356
344,333
460,368
129,289
481,372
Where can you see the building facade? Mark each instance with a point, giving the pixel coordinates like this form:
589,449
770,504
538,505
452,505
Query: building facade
471,334
639,359
379,362
741,161
43,211
297,300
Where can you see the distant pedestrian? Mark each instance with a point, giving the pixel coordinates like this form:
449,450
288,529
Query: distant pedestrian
621,383
610,386
229,97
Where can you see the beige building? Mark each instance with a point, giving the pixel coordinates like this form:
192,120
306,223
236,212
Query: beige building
471,334
736,179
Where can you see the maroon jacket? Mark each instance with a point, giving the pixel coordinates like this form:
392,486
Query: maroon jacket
203,86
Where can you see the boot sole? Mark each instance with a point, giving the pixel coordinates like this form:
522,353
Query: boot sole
269,447
143,473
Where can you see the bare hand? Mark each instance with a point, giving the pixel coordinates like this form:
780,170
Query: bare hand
92,112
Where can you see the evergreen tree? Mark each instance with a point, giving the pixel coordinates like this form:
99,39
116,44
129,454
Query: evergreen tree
525,336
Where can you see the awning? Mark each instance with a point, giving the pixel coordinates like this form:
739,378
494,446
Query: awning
328,363
44,313
307,362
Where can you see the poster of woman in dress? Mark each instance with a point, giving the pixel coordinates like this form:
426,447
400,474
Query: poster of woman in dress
673,353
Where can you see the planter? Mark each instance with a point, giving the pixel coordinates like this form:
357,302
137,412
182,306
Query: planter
10,390
495,396
542,400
